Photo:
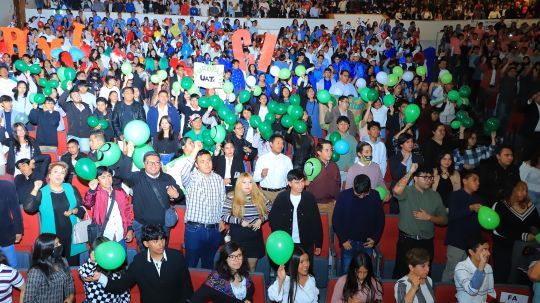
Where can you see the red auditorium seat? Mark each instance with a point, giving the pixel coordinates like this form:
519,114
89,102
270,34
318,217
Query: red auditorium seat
438,244
389,237
66,124
30,231
53,155
388,291
62,142
79,286
514,289
81,185
445,292
6,177
198,276
16,294
330,289
266,230
176,239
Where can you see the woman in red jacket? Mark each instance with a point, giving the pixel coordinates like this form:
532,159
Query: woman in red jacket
111,207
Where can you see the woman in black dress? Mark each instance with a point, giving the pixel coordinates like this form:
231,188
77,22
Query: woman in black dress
246,209
59,205
446,178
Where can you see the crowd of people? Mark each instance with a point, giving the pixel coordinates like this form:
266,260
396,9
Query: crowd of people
479,148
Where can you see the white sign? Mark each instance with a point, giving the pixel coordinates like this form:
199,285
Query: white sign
208,75
507,297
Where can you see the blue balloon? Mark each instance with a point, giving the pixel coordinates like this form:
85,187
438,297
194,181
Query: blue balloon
76,54
341,147
55,53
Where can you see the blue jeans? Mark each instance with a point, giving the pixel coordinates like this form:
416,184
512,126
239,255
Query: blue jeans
11,255
84,143
201,243
347,255
137,229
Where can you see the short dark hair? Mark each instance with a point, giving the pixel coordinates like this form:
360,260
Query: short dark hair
125,89
22,161
153,232
150,154
362,184
102,99
417,256
500,148
295,175
360,146
104,169
373,124
6,98
423,169
404,138
73,141
275,136
203,152
343,119
467,173
474,242
321,143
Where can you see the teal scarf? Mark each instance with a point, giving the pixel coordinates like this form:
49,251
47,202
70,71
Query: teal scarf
46,217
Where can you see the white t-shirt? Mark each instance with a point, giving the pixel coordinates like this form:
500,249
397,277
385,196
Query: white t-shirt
24,153
115,228
295,200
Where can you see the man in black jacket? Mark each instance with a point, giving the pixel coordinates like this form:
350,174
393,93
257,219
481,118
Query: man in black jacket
71,157
153,191
11,225
498,175
126,111
77,113
295,211
97,139
161,273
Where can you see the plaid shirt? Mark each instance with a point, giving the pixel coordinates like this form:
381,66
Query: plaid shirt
473,156
205,195
52,289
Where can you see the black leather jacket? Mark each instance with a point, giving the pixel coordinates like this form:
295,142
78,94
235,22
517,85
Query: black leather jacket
118,119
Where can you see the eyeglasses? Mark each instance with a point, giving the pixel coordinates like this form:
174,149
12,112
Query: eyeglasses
427,177
236,257
153,163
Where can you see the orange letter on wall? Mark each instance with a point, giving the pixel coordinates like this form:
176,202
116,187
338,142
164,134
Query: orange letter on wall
77,34
267,51
242,38
47,48
14,36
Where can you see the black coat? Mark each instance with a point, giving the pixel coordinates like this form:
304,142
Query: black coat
496,182
119,120
397,169
302,147
172,285
532,115
10,142
71,169
48,124
309,218
77,120
237,167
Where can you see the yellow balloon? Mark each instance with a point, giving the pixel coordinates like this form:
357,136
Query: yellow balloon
157,34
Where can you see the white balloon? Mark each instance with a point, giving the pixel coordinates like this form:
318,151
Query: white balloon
382,78
130,76
361,83
251,81
274,71
408,76
232,97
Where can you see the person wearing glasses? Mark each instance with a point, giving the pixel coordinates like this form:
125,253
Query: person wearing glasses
343,87
153,192
358,220
334,112
420,207
230,281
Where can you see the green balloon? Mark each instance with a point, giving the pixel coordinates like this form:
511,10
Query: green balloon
69,73
244,96
294,99
238,108
364,91
110,255
312,168
53,83
382,191
300,126
373,95
468,122
257,91
104,124
323,96
217,133
176,86
155,79
86,169
267,133
186,82
287,121
228,87
126,68
20,117
334,137
421,70
455,124
194,90
412,112
335,157
284,74
162,75
39,98
108,154
163,63
492,124
203,101
223,111
300,70
137,132
43,82
295,111
60,72
446,78
35,69
138,155
47,91
488,218
270,118
272,105
230,119
465,91
392,80
216,102
21,66
31,97
460,115
397,70
453,95
281,109
265,128
389,100
357,119
92,121
279,247
255,121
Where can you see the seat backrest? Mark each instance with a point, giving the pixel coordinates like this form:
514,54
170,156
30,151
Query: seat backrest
445,292
16,294
438,244
330,289
388,291
513,289
79,285
176,239
260,287
198,277
325,250
389,237
82,186
266,230
30,231
62,142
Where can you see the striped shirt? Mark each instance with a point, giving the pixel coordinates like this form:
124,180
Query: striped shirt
424,294
251,212
9,278
473,156
473,285
52,289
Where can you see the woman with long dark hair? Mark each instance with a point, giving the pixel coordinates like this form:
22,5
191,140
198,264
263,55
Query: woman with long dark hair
230,281
446,178
359,285
21,100
165,142
469,154
298,286
49,278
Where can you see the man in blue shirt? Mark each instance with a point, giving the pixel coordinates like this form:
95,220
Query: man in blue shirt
237,77
133,18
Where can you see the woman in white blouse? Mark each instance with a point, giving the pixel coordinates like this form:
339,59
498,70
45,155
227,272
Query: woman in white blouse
298,286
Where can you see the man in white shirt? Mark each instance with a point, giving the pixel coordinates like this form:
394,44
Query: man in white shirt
378,147
110,85
474,276
271,169
343,87
6,84
86,96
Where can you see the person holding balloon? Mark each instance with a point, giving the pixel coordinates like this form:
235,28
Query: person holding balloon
78,113
49,278
104,113
302,142
335,112
125,112
230,281
71,157
110,206
518,230
468,154
294,284
343,142
47,119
